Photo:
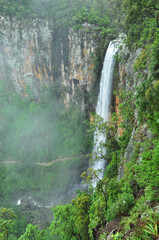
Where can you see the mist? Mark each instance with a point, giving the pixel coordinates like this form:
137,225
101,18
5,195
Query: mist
35,134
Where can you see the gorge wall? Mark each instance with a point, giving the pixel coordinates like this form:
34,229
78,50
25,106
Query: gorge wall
36,53
126,80
33,53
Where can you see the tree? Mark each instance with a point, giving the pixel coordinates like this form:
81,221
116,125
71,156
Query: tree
111,144
7,221
81,215
63,224
33,233
137,9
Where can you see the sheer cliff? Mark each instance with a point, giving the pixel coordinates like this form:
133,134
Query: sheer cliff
33,53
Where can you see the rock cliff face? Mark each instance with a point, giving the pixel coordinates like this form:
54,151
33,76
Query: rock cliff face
127,80
33,53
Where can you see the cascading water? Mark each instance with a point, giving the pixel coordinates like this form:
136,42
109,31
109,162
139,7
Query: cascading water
103,104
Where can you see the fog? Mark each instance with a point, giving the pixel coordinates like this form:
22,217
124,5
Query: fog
35,134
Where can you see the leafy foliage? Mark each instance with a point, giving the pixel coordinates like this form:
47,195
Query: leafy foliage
29,129
63,224
71,220
32,233
7,222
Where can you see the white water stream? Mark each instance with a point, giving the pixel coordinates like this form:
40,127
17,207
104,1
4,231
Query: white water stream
104,104
33,202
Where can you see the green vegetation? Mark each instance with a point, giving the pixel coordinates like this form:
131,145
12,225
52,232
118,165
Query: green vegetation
134,196
66,13
7,222
32,232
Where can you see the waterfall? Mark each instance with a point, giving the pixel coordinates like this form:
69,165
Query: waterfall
104,102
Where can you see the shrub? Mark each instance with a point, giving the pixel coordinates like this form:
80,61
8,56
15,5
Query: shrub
122,205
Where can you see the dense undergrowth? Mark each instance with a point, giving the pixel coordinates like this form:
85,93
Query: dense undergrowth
132,198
